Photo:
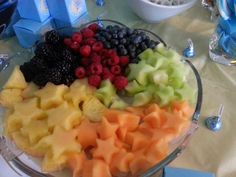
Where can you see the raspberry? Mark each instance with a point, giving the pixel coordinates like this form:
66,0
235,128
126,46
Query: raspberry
96,68
68,41
96,58
94,80
77,37
97,46
80,72
94,27
124,60
85,50
90,41
84,62
109,76
115,69
105,71
103,53
120,82
75,46
87,33
111,53
113,60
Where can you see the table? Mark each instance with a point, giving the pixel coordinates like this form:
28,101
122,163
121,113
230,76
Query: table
207,151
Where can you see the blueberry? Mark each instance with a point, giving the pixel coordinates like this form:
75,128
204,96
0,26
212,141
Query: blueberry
131,48
132,54
115,36
134,60
135,32
120,35
123,41
122,51
107,45
108,36
103,39
147,42
109,28
138,51
129,31
137,39
114,42
123,30
121,46
143,46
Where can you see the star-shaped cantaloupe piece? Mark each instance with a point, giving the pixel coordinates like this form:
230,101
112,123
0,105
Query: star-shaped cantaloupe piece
137,140
60,142
51,95
87,133
107,129
29,110
79,91
65,115
35,130
105,149
76,162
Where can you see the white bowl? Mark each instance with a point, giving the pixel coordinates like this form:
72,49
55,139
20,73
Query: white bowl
153,13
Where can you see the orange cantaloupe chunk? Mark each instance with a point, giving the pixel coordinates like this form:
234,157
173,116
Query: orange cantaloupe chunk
100,169
123,118
184,107
152,108
106,129
87,133
121,133
153,119
105,149
175,124
156,151
75,162
139,164
139,111
120,162
164,135
137,140
87,168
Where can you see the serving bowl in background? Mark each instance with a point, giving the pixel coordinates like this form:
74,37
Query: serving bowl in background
154,13
29,165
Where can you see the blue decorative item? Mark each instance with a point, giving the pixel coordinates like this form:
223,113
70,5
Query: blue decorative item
189,50
100,23
100,2
214,123
3,61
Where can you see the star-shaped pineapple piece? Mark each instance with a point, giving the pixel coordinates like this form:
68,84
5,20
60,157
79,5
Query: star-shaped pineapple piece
29,110
60,142
51,95
65,115
79,91
35,130
105,149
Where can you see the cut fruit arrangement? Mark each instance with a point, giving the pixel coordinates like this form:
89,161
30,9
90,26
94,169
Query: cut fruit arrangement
103,102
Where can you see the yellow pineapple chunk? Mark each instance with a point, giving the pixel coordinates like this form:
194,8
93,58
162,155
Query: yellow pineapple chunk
93,109
8,97
58,145
64,115
16,80
51,95
35,130
28,92
79,91
13,123
28,109
22,142
51,165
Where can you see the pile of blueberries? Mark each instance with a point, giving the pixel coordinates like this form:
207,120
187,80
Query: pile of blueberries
125,41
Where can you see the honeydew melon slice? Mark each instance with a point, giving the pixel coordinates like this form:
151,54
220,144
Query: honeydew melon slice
134,87
186,93
164,95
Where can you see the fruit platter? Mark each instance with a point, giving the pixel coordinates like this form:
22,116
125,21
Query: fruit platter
100,101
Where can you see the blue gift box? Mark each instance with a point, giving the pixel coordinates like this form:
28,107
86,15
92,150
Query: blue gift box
179,172
67,10
33,9
29,31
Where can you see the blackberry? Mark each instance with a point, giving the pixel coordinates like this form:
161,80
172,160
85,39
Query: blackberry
52,37
54,76
67,55
27,71
38,64
68,79
40,79
64,67
44,50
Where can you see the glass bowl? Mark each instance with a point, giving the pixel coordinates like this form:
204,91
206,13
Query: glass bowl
26,164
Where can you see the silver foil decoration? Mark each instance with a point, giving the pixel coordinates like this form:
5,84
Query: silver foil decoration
3,61
211,6
189,51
